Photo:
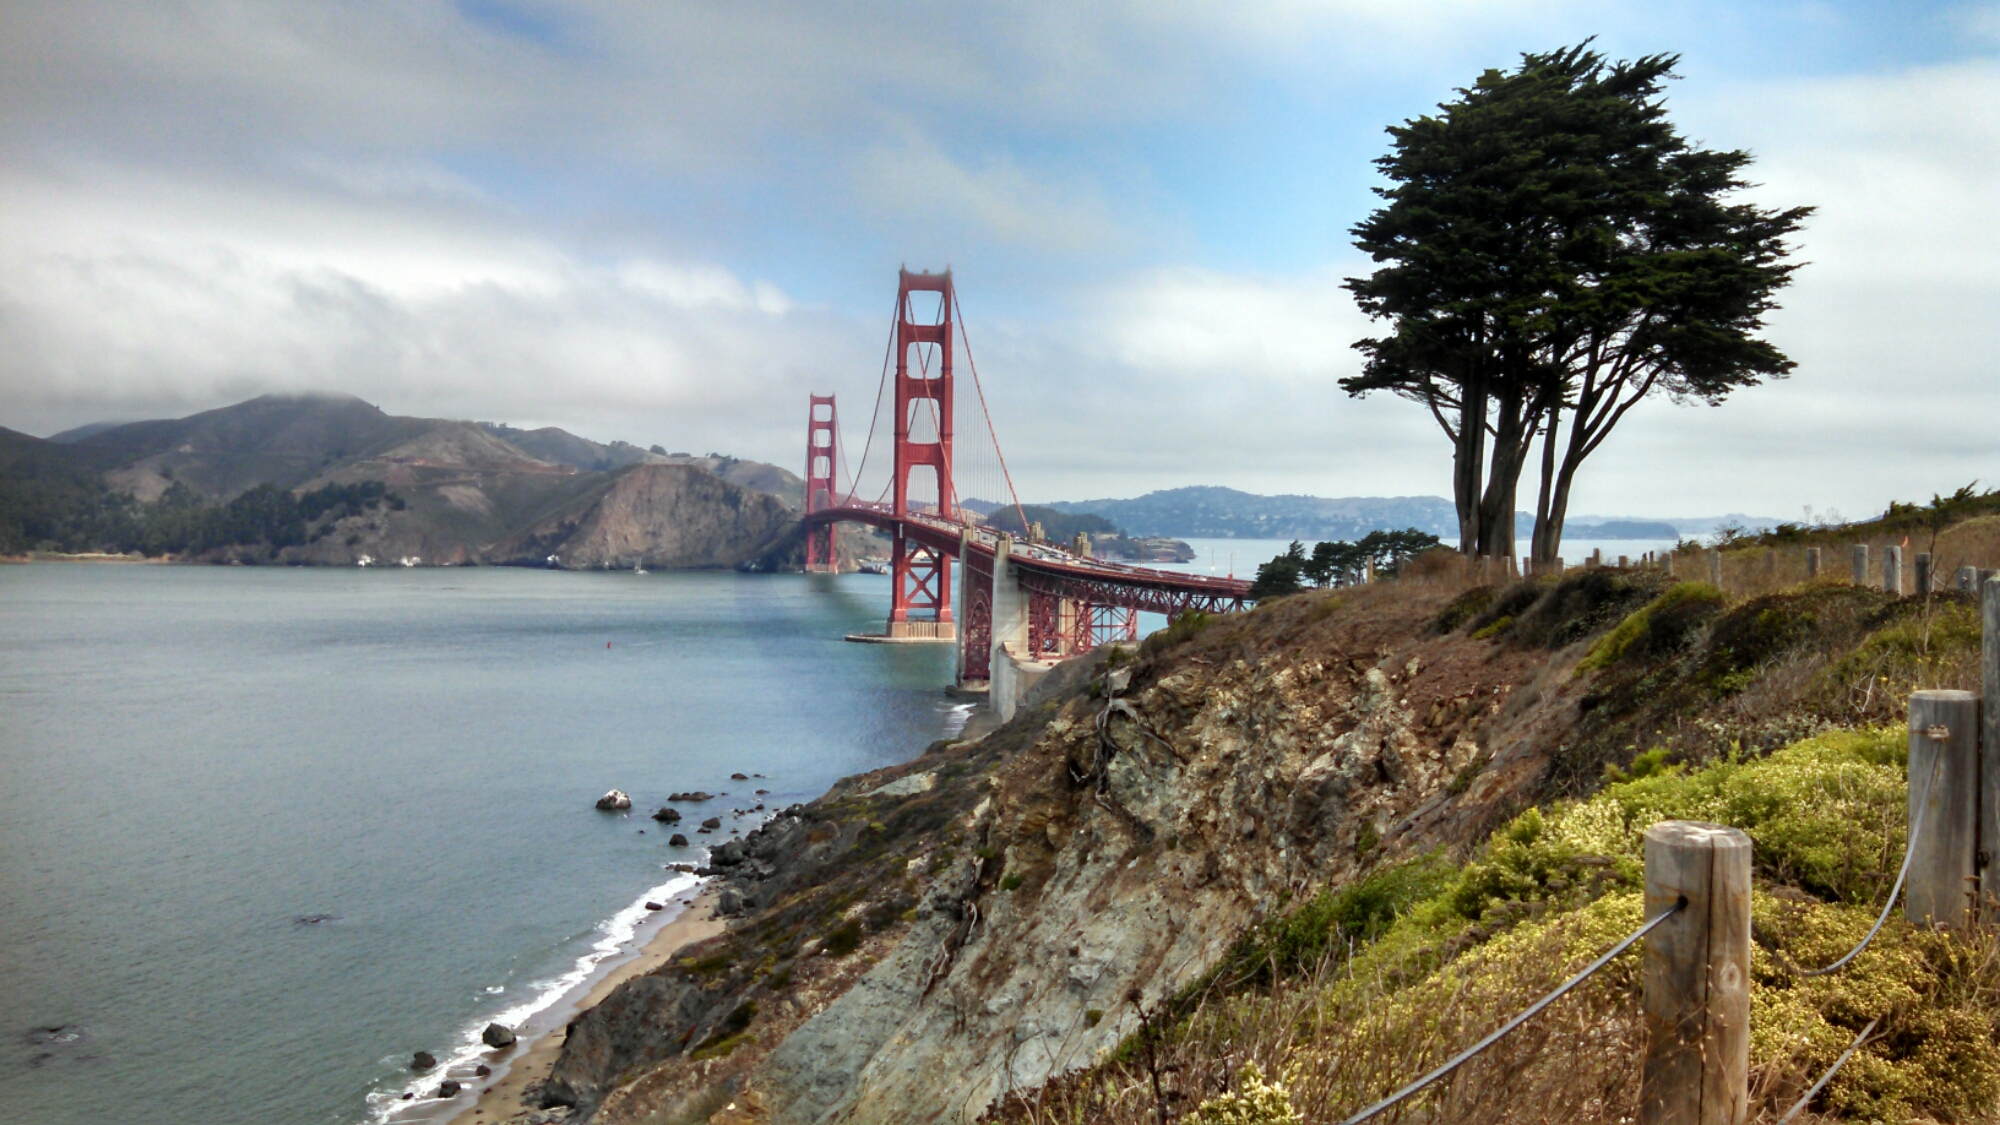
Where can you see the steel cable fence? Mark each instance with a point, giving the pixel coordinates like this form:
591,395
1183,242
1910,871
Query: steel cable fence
1529,1013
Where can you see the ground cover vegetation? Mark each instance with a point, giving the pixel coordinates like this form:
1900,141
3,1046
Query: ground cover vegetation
1778,713
1555,252
63,506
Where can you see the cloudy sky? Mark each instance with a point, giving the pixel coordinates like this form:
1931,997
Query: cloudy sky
668,222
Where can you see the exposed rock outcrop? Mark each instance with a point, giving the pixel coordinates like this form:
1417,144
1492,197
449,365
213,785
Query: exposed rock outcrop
924,939
654,516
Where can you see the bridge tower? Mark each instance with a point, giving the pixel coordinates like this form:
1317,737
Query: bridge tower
822,431
920,577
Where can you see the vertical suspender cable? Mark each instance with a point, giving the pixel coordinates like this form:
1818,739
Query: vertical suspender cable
977,386
888,349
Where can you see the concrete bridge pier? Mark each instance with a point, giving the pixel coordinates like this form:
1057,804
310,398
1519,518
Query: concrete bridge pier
1013,669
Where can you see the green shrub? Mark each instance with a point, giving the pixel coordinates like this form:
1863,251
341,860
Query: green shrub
843,940
1183,628
1464,608
1253,1102
1661,624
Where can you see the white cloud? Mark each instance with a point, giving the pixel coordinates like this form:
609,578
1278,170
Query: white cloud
113,306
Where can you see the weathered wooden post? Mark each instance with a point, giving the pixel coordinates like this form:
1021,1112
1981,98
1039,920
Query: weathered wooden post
1892,571
1715,568
1812,562
1968,580
1623,562
1989,757
1923,572
1667,560
1861,564
1597,557
1697,976
1944,804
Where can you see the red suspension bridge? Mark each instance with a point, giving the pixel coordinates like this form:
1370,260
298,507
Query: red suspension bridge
1023,603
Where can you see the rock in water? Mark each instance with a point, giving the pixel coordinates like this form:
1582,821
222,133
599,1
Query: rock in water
739,777
677,841
712,822
448,1088
692,795
482,1070
651,905
423,1060
667,815
614,800
497,1035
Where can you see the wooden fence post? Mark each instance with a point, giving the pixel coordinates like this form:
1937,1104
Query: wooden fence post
1715,568
1697,977
1989,748
1861,564
1812,562
1892,571
1668,562
1923,572
1944,788
1968,580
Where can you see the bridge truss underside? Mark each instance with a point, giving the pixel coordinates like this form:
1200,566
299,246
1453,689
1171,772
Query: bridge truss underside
1072,605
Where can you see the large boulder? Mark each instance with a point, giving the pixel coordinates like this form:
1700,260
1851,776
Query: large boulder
497,1035
423,1060
614,801
677,841
667,815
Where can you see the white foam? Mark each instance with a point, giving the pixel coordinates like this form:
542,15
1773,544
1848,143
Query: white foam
616,934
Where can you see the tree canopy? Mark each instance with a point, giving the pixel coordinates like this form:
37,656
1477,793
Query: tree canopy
1555,252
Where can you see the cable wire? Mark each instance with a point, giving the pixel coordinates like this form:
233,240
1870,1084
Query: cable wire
1895,892
1830,1072
981,389
888,349
1496,1035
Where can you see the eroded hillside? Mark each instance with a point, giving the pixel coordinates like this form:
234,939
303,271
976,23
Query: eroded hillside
925,941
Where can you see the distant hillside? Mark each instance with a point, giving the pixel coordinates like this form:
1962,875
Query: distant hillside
1225,513
331,479
1058,526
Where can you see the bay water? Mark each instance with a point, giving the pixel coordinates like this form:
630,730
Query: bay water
266,832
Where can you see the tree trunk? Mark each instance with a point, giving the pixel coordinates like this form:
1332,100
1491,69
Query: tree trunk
1468,459
1548,520
1513,433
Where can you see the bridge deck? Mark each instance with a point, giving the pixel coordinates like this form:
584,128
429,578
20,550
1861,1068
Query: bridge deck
1049,570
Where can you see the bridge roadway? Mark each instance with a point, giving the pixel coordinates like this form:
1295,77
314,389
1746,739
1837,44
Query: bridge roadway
1047,571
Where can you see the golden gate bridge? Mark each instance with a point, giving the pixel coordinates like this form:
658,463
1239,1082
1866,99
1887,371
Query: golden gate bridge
1023,603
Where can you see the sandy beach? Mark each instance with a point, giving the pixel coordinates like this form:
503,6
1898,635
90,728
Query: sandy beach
529,1062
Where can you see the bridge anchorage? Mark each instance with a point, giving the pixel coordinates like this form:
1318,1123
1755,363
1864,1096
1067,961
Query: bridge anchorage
1022,605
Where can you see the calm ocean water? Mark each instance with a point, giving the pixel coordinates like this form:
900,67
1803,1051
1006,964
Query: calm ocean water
193,759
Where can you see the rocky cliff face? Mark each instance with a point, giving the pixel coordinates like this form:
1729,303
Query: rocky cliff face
655,516
922,941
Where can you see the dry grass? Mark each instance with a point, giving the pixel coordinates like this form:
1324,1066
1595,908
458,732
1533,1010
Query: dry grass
1546,896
